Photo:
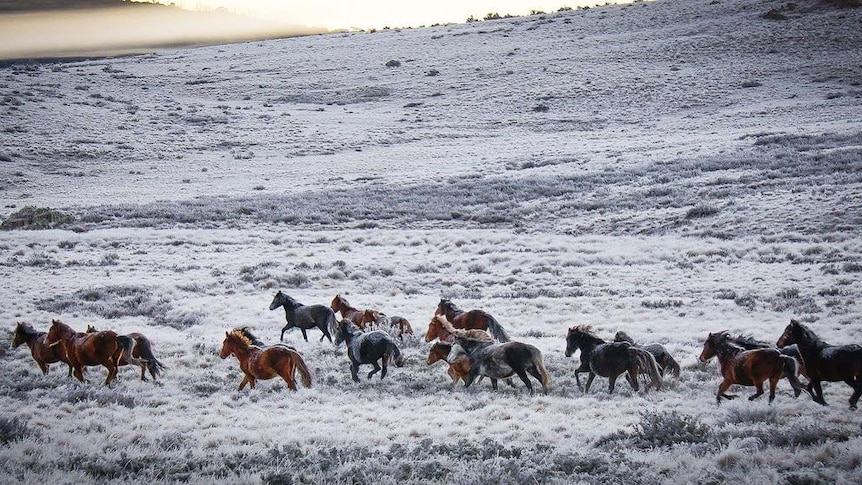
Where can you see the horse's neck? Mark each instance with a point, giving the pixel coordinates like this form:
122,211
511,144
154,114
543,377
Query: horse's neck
33,338
810,341
727,350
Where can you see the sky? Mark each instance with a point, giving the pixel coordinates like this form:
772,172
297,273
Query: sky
347,14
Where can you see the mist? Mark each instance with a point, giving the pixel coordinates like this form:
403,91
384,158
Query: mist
127,30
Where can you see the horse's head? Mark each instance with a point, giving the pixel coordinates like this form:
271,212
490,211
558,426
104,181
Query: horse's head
445,307
338,302
791,334
20,334
434,329
234,341
344,329
623,337
280,299
57,332
438,351
711,344
226,346
578,336
91,329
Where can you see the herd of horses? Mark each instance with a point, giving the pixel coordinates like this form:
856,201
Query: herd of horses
474,345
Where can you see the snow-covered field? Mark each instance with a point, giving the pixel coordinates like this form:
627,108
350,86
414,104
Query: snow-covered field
668,169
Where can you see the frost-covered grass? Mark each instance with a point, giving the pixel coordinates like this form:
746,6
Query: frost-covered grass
695,167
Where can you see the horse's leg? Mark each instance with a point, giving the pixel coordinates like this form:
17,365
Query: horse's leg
251,382
722,388
376,367
589,382
493,383
612,381
578,380
286,371
304,335
243,382
773,382
632,377
759,387
856,384
817,395
523,375
43,366
354,371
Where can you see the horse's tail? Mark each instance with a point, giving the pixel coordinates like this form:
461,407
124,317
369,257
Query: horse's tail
647,362
671,365
304,373
495,329
540,367
397,356
332,324
127,345
791,371
155,367
404,327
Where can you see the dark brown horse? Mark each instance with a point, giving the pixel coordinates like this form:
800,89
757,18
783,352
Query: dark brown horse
825,362
143,351
665,361
257,363
748,367
610,359
472,319
440,328
42,353
104,348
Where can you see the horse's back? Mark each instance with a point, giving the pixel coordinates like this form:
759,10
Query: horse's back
371,346
840,362
610,358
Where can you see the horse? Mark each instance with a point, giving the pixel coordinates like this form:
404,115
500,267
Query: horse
104,348
368,348
257,363
143,350
358,317
610,359
748,367
825,362
749,343
471,319
376,318
440,328
458,369
304,316
42,353
501,361
665,361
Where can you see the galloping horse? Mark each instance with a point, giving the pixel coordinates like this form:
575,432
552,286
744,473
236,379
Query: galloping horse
440,328
610,359
104,348
304,317
257,363
143,350
380,319
665,361
749,343
368,348
358,317
748,367
824,362
458,369
471,319
501,361
42,353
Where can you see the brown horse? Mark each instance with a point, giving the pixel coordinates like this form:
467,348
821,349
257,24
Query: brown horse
374,317
104,348
440,328
358,317
748,367
472,319
257,363
143,351
824,362
43,354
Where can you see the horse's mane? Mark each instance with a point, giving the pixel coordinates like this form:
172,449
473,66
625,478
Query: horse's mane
585,329
447,303
238,334
746,341
806,332
245,332
445,323
26,329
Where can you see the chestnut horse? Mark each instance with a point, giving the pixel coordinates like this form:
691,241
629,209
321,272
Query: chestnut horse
257,363
143,350
472,319
104,348
824,362
401,323
43,354
748,367
358,317
440,328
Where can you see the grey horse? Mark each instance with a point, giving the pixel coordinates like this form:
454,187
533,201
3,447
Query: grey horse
304,316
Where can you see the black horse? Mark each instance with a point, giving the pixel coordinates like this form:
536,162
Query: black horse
501,361
610,359
665,361
368,348
304,316
825,362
